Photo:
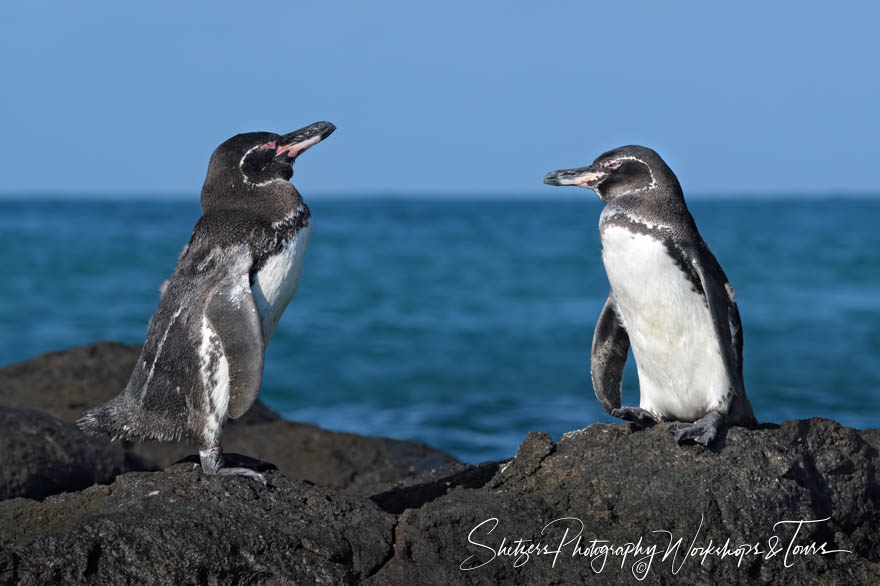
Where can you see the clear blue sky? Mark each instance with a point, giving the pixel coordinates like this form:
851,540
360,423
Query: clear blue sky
442,96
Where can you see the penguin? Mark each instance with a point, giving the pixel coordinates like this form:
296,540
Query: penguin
202,361
669,300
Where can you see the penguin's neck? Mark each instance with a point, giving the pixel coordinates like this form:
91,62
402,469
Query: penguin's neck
659,207
273,203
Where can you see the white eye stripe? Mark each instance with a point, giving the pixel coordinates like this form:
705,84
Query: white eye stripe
244,156
241,166
630,158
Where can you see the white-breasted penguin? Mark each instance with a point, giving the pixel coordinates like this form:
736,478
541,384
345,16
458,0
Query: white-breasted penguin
202,360
670,300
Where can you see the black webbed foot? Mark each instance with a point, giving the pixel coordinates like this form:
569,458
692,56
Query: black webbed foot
639,416
703,431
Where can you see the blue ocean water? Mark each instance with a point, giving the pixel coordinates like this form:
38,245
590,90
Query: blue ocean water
466,323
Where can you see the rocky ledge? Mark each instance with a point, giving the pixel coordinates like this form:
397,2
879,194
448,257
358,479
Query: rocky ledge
794,503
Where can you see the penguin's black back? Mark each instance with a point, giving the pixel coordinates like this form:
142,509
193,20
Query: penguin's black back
165,398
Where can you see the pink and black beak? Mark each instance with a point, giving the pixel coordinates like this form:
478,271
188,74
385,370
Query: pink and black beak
295,143
582,177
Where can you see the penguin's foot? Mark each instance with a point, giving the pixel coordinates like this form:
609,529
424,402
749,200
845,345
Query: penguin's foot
212,463
702,431
238,471
640,417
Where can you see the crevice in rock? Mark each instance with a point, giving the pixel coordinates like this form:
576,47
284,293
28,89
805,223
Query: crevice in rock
9,562
393,551
398,499
348,559
92,561
809,478
529,459
549,453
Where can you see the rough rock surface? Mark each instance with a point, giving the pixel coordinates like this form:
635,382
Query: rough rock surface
618,485
423,523
41,455
181,527
64,384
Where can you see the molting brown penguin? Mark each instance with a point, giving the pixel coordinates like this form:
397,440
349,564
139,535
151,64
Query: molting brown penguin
202,360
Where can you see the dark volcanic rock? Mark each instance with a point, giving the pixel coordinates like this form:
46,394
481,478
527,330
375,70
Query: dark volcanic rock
181,527
66,383
621,486
400,513
605,482
41,455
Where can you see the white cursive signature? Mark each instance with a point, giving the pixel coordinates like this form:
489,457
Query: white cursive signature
565,538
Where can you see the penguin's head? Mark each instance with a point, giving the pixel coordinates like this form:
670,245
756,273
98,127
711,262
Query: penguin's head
621,171
257,164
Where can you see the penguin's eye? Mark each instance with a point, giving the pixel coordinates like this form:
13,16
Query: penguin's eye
611,165
260,156
256,165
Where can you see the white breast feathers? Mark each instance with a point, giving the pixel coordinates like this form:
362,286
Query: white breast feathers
681,373
276,282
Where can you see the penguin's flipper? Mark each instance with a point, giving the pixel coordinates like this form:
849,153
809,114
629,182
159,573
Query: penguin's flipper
608,357
233,315
728,331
